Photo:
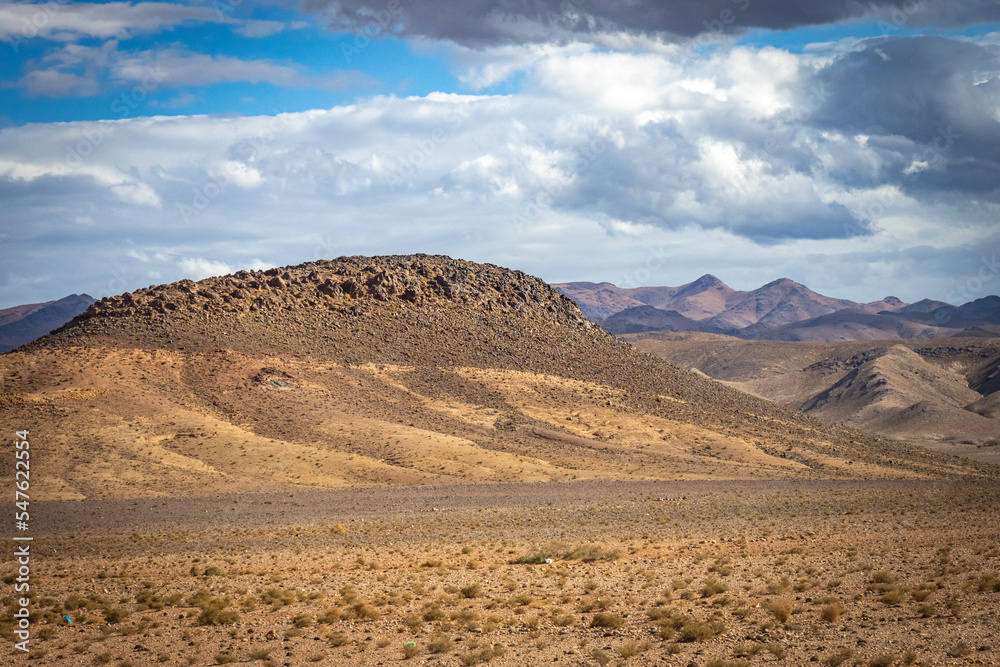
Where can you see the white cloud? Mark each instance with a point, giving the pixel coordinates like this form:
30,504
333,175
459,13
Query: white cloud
67,21
77,70
604,164
196,268
137,193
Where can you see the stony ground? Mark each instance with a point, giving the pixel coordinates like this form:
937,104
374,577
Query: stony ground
641,573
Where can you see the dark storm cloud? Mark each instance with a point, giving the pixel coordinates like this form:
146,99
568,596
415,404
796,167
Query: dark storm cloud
479,23
929,106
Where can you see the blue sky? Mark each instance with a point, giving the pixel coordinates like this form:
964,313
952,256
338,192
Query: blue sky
651,143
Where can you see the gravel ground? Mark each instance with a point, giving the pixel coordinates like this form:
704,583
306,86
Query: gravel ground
669,573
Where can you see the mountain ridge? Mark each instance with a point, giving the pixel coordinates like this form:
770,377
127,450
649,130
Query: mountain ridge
397,370
780,310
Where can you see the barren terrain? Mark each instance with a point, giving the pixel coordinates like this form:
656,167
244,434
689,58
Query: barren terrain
377,460
641,573
940,394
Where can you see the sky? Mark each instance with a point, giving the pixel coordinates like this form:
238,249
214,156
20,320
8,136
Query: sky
851,146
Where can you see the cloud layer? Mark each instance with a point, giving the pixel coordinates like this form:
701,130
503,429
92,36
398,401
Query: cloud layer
635,167
482,23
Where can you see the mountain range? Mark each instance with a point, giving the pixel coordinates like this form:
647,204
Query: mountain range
23,324
399,370
780,310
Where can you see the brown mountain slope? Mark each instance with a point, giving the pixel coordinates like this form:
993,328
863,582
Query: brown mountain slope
599,300
718,306
936,393
390,370
847,325
779,302
23,324
648,318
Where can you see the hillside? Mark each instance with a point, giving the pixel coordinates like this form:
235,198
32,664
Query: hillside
23,324
648,318
941,394
391,371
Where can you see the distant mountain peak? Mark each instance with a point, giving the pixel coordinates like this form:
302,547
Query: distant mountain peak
708,280
784,283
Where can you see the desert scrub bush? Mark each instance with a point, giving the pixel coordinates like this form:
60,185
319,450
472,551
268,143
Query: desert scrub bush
987,583
149,600
712,586
592,553
718,662
213,610
631,649
260,654
779,585
433,612
471,591
894,596
606,620
882,660
330,615
722,566
413,622
338,639
588,554
114,615
880,581
831,612
411,650
440,644
562,619
224,658
278,597
685,628
840,657
466,618
780,609
363,611
600,656
303,620
482,655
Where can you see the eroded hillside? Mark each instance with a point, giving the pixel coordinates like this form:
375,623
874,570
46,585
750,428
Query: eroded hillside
391,371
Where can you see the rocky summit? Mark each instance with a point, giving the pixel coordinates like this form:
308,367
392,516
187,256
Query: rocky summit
393,371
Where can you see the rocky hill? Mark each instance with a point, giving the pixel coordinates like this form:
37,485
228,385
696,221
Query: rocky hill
402,370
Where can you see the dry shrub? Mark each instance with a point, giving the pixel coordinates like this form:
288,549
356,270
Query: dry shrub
831,612
838,658
440,644
472,591
780,609
363,611
604,620
712,586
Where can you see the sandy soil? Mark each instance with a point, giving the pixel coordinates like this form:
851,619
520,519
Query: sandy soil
642,573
